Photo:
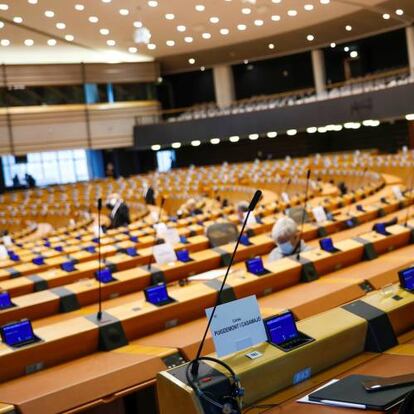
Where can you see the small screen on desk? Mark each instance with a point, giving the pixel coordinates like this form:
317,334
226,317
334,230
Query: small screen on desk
17,332
327,244
380,228
183,255
407,278
281,328
156,294
104,275
5,301
255,265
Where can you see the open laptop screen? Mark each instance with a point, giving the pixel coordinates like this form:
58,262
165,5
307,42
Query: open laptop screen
255,265
16,333
5,301
281,328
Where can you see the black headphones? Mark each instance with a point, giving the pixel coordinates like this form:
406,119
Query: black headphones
231,401
407,406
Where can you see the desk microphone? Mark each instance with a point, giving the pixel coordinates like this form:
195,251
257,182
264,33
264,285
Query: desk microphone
99,315
303,213
155,228
195,363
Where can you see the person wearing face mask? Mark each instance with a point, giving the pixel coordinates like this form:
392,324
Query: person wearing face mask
286,235
119,215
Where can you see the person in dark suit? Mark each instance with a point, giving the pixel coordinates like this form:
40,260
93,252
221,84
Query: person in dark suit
119,215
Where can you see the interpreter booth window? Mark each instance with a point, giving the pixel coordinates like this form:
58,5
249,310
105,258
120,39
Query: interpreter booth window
165,160
46,168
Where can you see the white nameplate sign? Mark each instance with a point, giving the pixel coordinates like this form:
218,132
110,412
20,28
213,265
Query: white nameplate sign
7,240
397,192
251,221
237,325
171,236
319,214
3,252
285,197
164,253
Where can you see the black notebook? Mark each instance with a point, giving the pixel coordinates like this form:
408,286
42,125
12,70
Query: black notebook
350,391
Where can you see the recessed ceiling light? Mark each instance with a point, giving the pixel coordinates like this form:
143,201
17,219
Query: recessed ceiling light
49,13
188,39
215,141
132,49
106,1
1,25
311,130
191,61
124,12
200,7
234,138
181,28
155,147
386,16
258,22
137,24
176,145
224,31
310,37
271,46
354,54
346,49
254,137
29,42
348,27
170,16
276,1
203,68
214,20
292,13
18,19
60,26
93,19
151,46
5,42
170,43
32,1
409,117
399,12
246,10
69,38
291,132
333,44
4,7
241,27
104,32
272,134
153,3
275,18
325,1
52,42
308,7
111,42
79,7
195,143
206,35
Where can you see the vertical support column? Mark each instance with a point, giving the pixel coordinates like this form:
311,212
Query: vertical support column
87,117
223,85
319,75
7,103
409,33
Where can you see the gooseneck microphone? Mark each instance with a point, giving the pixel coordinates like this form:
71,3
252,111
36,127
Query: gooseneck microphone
155,228
99,315
302,221
195,363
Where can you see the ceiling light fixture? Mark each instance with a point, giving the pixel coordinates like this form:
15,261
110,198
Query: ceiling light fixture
170,16
132,49
4,7
310,37
200,7
170,43
386,16
124,12
206,36
155,147
224,31
104,32
275,18
18,19
5,42
151,46
191,61
176,145
79,7
29,42
234,138
188,39
241,27
1,24
60,26
253,137
214,20
111,42
292,13
153,3
399,12
325,1
271,134
52,42
354,54
333,45
311,130
271,46
181,28
32,1
308,7
137,24
215,141
246,10
291,132
93,19
49,13
196,143
258,22
69,38
348,27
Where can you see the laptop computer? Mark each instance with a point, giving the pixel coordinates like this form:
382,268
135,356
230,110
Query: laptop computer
131,251
255,266
380,228
18,334
183,256
68,266
5,301
327,245
104,276
158,295
406,277
244,240
282,332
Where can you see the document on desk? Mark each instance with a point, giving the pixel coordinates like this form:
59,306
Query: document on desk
306,399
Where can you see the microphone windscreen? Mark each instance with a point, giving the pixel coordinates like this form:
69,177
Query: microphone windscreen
255,200
99,203
308,174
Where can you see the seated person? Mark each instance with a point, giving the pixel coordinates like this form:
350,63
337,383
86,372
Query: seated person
286,235
189,208
119,215
242,208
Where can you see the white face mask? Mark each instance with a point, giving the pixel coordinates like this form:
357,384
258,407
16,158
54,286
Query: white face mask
286,248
